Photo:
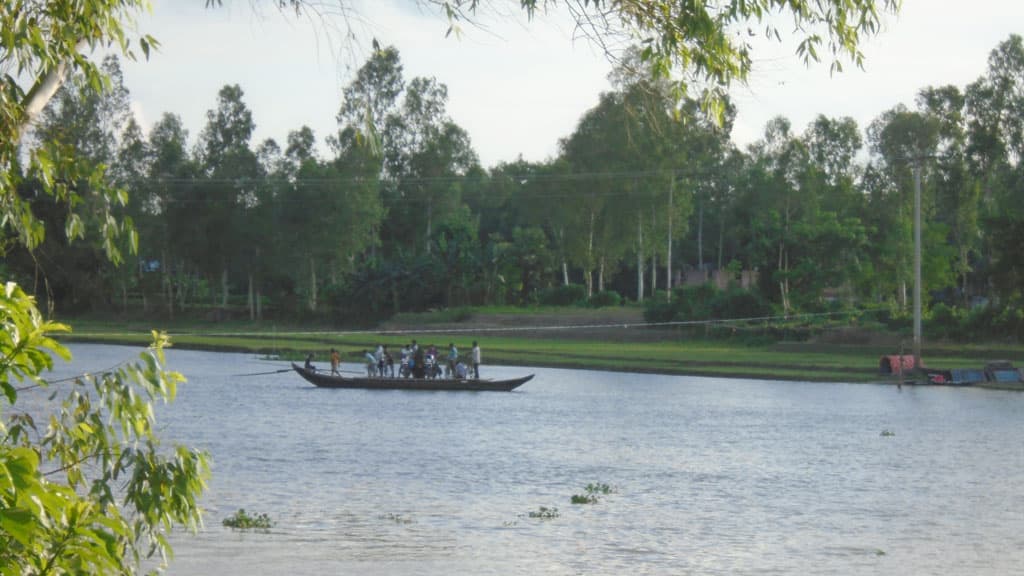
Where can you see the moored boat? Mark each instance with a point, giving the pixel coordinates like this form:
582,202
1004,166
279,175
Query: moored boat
955,376
996,374
326,380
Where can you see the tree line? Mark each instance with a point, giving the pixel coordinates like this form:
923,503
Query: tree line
400,216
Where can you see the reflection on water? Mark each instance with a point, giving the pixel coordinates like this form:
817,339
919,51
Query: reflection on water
711,476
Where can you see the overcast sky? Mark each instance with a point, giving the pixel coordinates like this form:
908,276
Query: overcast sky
518,86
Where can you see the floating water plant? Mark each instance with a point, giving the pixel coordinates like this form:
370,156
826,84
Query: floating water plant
599,489
593,491
242,521
544,513
584,499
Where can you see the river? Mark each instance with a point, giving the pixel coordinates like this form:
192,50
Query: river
707,476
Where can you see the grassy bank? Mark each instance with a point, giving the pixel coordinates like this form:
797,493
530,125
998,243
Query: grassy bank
607,340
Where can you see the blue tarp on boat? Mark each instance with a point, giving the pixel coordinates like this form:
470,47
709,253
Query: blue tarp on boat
967,376
1005,375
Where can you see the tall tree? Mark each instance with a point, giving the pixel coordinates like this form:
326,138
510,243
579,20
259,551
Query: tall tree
87,123
371,98
957,190
172,234
232,170
903,141
426,154
129,171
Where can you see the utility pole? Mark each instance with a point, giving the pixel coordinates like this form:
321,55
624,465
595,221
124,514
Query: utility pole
917,264
668,259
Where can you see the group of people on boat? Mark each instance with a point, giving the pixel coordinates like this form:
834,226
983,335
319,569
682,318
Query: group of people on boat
427,362
414,362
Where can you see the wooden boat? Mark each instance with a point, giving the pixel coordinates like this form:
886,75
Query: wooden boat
954,377
326,380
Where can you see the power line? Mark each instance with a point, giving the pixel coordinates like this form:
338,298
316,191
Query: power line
522,179
549,327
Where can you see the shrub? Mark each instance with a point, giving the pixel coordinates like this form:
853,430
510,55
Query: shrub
658,309
605,298
566,295
1009,323
980,322
738,303
693,302
945,322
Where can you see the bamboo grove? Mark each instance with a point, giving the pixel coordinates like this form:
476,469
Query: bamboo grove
386,208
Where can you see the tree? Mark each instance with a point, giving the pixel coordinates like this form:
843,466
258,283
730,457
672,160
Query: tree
425,156
957,190
171,180
107,492
532,257
994,153
903,141
41,48
371,97
328,212
129,171
90,123
231,169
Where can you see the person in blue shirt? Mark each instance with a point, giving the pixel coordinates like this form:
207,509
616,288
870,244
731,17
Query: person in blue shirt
453,358
371,364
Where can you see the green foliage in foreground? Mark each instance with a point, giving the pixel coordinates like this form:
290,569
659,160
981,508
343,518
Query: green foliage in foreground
242,521
90,490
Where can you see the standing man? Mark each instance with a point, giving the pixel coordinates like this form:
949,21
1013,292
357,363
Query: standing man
453,358
389,363
475,355
335,360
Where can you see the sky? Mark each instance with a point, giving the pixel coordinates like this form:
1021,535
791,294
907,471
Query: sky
517,87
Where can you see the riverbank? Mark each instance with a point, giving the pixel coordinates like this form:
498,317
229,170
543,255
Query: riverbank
614,339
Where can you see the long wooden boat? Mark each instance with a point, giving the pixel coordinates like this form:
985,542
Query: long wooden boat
326,380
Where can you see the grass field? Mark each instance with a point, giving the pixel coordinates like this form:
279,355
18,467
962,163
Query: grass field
605,340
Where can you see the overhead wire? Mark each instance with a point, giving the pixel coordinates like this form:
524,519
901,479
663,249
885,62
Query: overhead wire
551,327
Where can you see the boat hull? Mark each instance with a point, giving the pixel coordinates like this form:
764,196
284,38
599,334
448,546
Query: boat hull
325,380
